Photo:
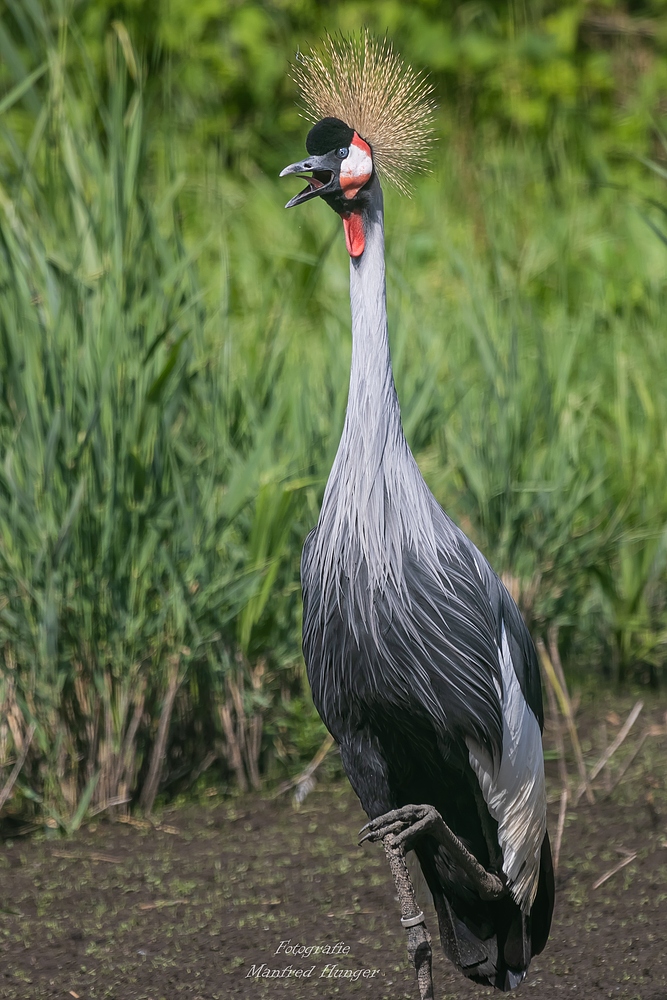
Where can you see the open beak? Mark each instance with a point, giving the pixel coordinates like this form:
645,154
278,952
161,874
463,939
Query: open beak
324,177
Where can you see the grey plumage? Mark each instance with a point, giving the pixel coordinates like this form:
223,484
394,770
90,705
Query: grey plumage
385,565
419,662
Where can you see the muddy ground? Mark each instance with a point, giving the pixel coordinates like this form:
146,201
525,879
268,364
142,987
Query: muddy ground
188,909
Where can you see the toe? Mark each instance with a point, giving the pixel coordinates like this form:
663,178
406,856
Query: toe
379,833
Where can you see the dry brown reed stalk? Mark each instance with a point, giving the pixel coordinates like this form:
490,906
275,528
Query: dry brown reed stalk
231,745
560,827
309,771
13,719
127,759
523,592
627,762
553,670
138,824
109,715
554,719
242,735
116,753
89,713
27,829
65,772
604,740
110,804
149,791
95,856
254,737
612,748
161,903
4,742
10,709
105,750
20,761
149,824
650,731
613,871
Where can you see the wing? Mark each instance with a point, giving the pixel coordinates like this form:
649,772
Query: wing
522,652
506,614
514,791
443,647
514,788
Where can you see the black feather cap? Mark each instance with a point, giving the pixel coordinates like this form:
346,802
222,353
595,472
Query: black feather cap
328,134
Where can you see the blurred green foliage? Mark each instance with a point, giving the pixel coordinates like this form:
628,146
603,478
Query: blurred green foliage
174,355
590,74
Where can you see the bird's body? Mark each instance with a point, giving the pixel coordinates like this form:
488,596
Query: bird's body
420,664
404,628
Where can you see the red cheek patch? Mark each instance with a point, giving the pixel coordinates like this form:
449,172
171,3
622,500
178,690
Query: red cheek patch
355,240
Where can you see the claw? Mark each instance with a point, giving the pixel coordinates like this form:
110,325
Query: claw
380,832
399,822
407,824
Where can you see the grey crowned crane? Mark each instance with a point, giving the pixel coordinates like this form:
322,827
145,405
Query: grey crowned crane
420,664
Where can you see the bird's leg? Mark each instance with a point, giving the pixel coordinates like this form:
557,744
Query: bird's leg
371,783
412,918
409,823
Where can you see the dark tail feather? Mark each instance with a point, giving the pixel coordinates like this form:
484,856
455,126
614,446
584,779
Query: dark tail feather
491,942
543,907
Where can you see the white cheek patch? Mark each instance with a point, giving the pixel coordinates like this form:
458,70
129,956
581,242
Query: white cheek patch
356,168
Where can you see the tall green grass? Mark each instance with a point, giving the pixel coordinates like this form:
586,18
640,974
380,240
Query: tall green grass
174,354
144,516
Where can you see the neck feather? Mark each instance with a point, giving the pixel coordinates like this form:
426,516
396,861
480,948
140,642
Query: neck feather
372,407
376,501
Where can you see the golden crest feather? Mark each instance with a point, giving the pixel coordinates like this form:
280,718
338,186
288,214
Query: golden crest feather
364,82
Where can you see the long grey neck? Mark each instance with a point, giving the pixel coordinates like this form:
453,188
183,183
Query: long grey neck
376,502
373,411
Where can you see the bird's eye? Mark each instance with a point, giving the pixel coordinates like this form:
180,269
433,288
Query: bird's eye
342,152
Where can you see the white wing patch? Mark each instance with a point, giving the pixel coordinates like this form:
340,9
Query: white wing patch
514,790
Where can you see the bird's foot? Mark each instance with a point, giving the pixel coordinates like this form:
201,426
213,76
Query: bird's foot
403,827
406,825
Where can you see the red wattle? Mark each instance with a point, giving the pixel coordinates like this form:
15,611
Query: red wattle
355,241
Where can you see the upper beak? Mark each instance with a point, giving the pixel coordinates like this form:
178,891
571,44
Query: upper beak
325,172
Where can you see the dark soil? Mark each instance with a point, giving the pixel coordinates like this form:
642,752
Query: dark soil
190,908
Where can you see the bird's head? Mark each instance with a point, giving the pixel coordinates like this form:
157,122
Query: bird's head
340,165
373,117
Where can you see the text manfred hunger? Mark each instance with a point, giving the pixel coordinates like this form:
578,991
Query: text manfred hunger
331,971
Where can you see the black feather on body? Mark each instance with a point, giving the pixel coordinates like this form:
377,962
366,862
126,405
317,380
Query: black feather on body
400,702
425,655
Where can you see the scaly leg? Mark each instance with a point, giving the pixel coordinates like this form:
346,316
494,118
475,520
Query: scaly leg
412,918
410,822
